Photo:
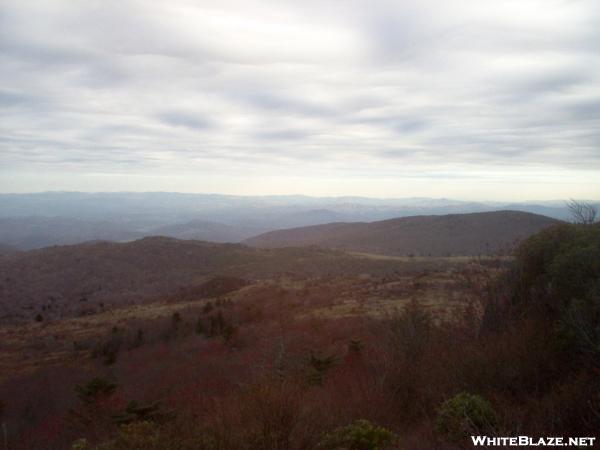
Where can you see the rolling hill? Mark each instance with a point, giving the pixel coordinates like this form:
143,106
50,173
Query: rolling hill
206,231
447,235
75,280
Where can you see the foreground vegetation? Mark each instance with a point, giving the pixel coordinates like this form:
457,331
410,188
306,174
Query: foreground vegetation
281,365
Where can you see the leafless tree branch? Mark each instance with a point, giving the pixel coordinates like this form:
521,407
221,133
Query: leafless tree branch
582,212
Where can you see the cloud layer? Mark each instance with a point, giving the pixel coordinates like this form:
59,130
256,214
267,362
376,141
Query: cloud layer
340,97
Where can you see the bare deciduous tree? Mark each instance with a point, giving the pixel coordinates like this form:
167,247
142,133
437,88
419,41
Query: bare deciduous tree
582,212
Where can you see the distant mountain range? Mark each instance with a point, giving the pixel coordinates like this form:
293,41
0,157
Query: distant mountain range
29,221
26,233
444,235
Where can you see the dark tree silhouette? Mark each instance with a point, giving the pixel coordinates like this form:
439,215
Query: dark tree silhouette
582,212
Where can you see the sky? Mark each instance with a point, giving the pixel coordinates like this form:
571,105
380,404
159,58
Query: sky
468,99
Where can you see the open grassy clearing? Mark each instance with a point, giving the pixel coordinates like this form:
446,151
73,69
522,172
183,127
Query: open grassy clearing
25,348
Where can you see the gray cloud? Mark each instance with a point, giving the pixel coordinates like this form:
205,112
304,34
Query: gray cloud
182,119
290,135
305,90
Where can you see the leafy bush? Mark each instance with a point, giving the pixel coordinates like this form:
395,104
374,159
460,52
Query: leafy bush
199,329
134,436
208,307
139,338
217,324
81,444
108,351
558,281
95,389
175,320
137,436
355,346
134,412
557,265
318,368
360,435
465,414
579,330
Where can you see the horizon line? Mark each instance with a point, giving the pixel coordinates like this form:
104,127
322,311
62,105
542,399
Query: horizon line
556,200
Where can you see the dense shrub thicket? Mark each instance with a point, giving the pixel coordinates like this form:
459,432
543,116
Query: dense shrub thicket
559,265
558,281
360,435
464,415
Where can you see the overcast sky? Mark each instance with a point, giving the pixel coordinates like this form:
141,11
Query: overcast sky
478,99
